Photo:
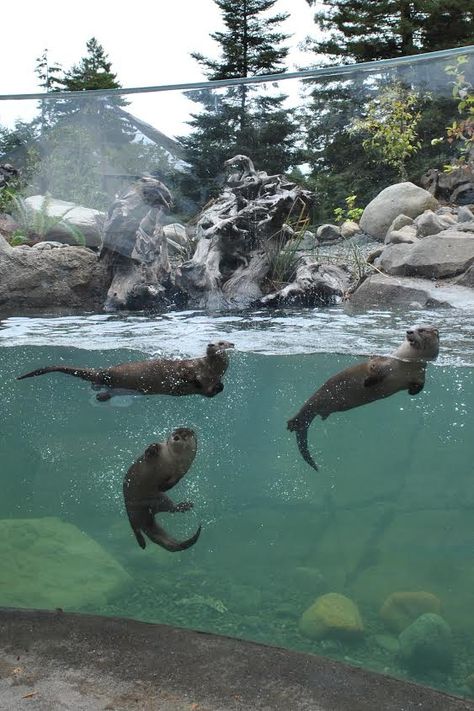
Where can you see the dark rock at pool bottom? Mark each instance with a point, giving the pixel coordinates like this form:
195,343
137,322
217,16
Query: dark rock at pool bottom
426,644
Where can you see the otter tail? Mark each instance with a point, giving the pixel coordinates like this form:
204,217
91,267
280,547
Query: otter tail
301,430
90,374
158,535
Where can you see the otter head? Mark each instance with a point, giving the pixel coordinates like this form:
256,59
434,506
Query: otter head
182,439
218,348
422,343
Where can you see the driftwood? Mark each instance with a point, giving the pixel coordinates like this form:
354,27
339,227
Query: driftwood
239,234
315,284
136,250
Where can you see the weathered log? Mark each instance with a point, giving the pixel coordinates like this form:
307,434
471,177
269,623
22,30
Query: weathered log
238,235
315,284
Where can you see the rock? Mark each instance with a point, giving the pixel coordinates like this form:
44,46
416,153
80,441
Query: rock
328,233
404,235
469,681
387,643
429,223
84,219
466,279
7,225
48,563
401,198
450,185
426,644
400,609
399,222
465,214
40,246
308,241
436,257
349,228
382,291
463,195
71,278
332,615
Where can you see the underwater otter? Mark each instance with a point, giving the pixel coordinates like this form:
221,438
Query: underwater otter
192,376
158,469
366,382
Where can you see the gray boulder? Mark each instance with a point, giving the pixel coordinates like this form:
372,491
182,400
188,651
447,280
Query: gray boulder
84,219
401,198
328,233
465,214
406,234
70,279
382,291
436,257
426,644
429,223
349,229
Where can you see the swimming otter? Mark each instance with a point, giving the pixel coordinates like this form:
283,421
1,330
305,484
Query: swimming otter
193,376
372,380
158,469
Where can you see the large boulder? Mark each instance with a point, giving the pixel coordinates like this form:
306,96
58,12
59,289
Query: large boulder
69,278
402,198
63,216
332,615
446,254
382,291
49,563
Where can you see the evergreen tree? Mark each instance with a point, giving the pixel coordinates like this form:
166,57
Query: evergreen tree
358,31
241,119
362,31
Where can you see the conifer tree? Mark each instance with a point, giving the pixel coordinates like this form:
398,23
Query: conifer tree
241,119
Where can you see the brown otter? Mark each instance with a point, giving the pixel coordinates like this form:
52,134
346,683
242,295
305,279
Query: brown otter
159,468
193,376
366,382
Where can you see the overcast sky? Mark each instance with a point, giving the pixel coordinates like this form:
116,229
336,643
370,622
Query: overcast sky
148,43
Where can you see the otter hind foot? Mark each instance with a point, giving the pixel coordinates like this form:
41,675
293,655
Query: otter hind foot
158,535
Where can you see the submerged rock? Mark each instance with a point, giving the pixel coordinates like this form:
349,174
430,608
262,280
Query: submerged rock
332,615
426,644
400,609
48,563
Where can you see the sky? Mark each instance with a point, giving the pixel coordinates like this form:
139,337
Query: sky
148,43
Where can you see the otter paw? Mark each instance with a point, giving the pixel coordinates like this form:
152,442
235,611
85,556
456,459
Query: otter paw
184,506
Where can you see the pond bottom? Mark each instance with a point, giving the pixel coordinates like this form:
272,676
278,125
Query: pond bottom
52,660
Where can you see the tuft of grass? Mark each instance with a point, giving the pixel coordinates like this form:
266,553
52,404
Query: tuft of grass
34,225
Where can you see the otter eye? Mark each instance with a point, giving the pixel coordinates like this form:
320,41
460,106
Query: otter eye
176,438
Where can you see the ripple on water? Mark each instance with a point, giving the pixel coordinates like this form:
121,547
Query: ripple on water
185,333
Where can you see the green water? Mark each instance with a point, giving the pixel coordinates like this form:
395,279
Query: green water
391,508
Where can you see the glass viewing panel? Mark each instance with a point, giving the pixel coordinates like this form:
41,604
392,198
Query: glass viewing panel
147,224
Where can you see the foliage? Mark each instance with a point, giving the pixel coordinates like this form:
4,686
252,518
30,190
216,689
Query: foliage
283,252
391,123
363,31
241,119
351,212
461,132
34,225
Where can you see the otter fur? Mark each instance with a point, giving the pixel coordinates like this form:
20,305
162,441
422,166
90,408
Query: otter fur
374,379
158,469
192,376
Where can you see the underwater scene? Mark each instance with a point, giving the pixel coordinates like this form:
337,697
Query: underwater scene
368,560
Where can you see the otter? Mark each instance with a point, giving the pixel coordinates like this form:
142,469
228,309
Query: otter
158,469
192,376
376,378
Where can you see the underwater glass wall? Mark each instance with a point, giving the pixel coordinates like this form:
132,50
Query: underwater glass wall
139,227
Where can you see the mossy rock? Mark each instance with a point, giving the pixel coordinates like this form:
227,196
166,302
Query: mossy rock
47,563
426,644
332,615
400,609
